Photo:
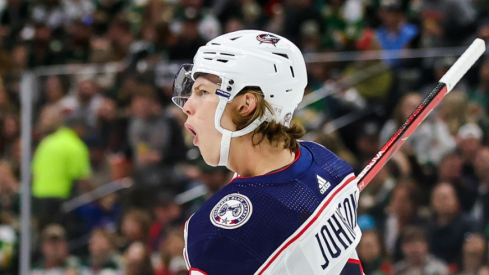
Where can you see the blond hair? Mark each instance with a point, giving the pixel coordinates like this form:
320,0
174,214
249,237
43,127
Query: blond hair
273,131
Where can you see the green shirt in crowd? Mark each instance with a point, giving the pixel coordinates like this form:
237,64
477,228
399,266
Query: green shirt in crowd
60,159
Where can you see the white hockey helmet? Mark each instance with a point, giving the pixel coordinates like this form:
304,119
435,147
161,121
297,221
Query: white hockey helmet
248,58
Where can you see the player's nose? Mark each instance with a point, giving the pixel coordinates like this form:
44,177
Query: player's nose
188,107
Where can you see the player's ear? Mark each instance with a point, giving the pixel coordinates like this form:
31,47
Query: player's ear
246,104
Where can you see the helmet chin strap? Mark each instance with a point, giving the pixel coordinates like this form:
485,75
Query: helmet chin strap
228,135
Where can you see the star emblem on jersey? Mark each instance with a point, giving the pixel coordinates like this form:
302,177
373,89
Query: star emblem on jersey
324,185
232,211
267,38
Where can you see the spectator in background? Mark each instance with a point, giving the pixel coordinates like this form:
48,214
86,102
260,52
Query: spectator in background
19,60
377,87
111,135
402,212
55,257
101,168
55,88
417,259
40,52
51,12
469,142
77,9
7,106
9,193
9,244
166,213
103,258
450,170
137,260
371,254
85,104
479,94
5,64
14,156
60,160
111,127
275,23
148,52
207,24
376,197
394,33
100,50
106,11
126,87
483,28
429,142
310,34
156,141
172,261
50,119
120,38
343,22
202,182
300,14
474,255
78,48
214,178
49,106
483,270
367,143
480,210
151,13
441,28
13,19
449,226
105,213
454,111
10,132
135,226
188,40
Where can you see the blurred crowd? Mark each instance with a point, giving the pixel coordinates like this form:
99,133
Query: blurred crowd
426,211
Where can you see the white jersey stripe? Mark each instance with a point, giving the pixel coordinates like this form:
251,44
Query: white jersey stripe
312,219
185,236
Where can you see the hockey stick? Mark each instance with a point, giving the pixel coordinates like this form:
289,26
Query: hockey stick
445,85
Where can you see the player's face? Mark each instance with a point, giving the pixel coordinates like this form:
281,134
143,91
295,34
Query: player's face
200,109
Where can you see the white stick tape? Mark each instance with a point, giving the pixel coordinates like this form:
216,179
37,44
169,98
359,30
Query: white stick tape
464,63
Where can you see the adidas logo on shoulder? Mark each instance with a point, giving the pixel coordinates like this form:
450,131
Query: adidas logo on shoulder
323,184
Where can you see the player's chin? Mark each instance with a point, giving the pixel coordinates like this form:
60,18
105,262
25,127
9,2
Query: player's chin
210,158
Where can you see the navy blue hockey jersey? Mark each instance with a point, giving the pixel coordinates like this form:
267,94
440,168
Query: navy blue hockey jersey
299,220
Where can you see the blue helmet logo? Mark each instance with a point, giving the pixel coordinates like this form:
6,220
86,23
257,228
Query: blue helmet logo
267,38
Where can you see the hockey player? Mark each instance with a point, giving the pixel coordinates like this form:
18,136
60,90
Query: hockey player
291,209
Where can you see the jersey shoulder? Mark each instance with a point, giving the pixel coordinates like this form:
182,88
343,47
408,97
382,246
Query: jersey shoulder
251,217
327,160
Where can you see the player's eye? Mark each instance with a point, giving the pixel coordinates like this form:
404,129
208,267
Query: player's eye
197,93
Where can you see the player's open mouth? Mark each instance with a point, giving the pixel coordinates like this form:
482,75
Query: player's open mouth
190,129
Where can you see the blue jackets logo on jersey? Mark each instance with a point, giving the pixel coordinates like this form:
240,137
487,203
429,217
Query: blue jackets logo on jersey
232,211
